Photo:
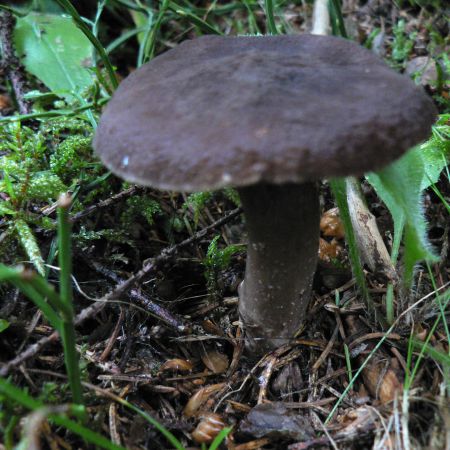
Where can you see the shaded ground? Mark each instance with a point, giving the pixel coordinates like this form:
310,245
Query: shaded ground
173,346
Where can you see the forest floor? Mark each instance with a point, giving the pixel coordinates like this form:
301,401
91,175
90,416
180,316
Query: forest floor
169,340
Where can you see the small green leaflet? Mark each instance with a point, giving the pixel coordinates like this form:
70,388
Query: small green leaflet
4,324
30,245
54,50
400,186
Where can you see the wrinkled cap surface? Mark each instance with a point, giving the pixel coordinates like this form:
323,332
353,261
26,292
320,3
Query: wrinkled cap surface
234,111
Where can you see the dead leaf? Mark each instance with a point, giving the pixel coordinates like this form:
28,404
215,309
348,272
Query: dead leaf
329,250
5,102
177,364
215,361
331,225
208,428
199,398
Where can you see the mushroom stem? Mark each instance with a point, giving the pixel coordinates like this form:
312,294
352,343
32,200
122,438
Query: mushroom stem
283,239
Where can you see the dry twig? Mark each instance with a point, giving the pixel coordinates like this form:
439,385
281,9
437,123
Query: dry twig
89,312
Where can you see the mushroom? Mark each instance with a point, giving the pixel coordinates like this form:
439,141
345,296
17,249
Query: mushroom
268,115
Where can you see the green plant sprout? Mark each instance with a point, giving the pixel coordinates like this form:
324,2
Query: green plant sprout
403,43
217,260
57,308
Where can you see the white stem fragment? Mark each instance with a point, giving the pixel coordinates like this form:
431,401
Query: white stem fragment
321,18
371,246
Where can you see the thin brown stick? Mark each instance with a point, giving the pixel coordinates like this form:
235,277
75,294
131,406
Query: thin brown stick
326,351
265,378
120,289
172,320
123,195
112,339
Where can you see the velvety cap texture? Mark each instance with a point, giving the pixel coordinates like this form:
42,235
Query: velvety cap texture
234,111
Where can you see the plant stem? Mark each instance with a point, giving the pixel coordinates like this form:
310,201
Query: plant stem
337,21
338,187
68,329
321,18
270,17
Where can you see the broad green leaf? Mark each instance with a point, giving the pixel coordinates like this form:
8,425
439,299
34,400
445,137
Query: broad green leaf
30,245
4,324
55,51
400,186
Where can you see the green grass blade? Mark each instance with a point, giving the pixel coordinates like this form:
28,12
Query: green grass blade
20,397
271,26
358,372
252,21
123,38
21,279
53,113
65,252
65,282
197,21
67,5
337,21
412,373
164,431
338,187
219,438
147,48
47,291
437,355
438,301
71,359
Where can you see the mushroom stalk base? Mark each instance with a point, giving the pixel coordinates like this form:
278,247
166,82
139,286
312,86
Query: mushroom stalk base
283,239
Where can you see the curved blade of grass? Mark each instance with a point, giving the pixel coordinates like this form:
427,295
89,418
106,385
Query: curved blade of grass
47,291
54,113
20,397
356,375
123,38
219,438
147,48
270,18
338,187
67,6
65,287
203,25
437,355
438,301
445,297
443,300
16,277
337,21
163,430
16,12
252,22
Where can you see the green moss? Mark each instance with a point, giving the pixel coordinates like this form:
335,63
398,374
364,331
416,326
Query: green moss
140,206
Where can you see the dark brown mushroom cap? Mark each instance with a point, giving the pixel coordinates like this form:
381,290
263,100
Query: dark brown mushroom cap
234,111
